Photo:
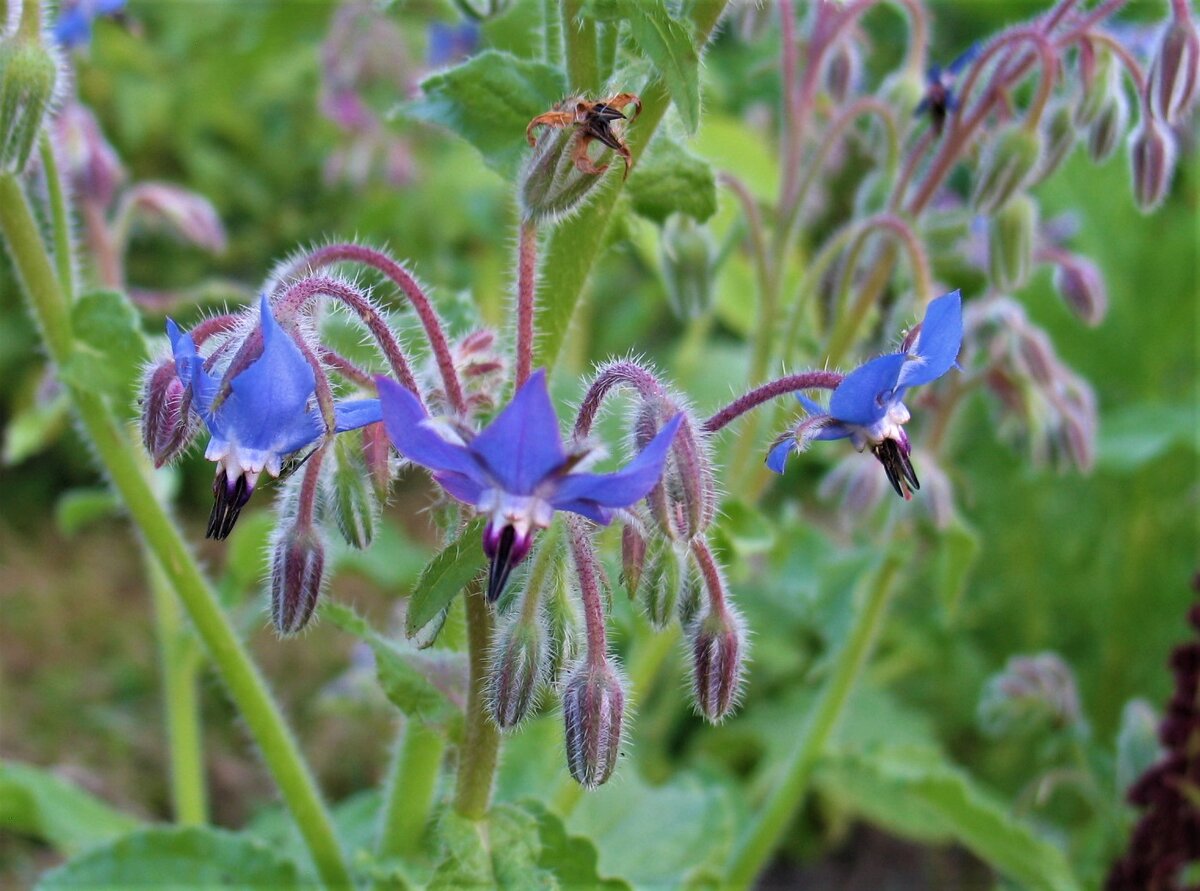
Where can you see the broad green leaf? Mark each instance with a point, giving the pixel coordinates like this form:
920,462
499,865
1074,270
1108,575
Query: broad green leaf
175,858
428,685
445,576
571,859
355,819
78,508
36,802
671,179
109,347
1138,434
916,793
502,853
489,100
743,529
33,427
958,548
668,44
1137,743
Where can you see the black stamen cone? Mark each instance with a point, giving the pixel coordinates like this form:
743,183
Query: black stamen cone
502,564
898,467
227,505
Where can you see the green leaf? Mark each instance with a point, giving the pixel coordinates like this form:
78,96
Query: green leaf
451,570
109,347
1138,434
78,508
671,179
958,549
489,100
175,858
1137,743
503,853
428,685
916,793
34,426
36,802
571,859
743,529
668,44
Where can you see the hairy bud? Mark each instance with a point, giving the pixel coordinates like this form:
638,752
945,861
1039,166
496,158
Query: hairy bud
297,568
191,216
662,581
691,593
687,256
355,507
1100,79
683,501
518,667
1010,243
1029,691
1152,157
28,75
1175,71
378,457
563,627
633,558
1060,137
717,643
842,70
1081,286
87,157
168,424
1006,167
1105,132
593,704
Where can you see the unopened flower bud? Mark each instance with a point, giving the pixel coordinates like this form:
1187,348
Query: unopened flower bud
1175,71
903,90
717,643
88,159
297,568
1006,167
551,184
683,501
191,216
563,627
691,593
1060,137
1010,243
633,558
168,424
352,499
1100,79
1152,157
593,704
1105,132
377,455
662,581
1029,691
1081,286
28,76
687,256
518,667
842,70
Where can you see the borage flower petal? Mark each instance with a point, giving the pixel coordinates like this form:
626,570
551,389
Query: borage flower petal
517,469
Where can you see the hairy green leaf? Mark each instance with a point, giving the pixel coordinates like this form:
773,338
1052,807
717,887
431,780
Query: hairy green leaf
445,576
109,347
668,44
671,179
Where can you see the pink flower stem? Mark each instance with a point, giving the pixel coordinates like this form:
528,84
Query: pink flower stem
588,571
714,584
526,299
306,508
213,326
346,368
615,374
434,330
808,380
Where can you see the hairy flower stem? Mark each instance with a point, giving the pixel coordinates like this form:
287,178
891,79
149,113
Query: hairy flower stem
411,789
593,600
60,218
793,383
179,661
760,838
117,453
526,300
481,739
615,374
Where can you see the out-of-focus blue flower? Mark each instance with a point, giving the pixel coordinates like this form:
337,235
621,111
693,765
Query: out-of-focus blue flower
516,470
868,408
451,43
939,98
74,25
267,413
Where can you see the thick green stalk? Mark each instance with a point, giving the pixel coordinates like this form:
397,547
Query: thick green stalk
579,38
411,790
481,741
117,455
60,220
552,47
189,798
767,828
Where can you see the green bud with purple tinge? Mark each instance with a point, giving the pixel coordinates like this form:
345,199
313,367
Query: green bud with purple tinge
633,558
564,628
1175,71
687,256
1100,79
1006,167
517,670
1061,135
28,76
661,582
1152,158
1081,286
1105,132
1010,243
593,704
297,568
351,495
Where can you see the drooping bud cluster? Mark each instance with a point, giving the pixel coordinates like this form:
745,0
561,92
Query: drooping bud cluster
1010,243
1031,691
1044,406
1175,70
1007,167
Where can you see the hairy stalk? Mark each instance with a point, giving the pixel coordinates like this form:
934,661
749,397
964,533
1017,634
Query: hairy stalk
117,453
579,37
411,789
526,300
60,217
179,662
762,835
792,383
481,740
616,374
589,591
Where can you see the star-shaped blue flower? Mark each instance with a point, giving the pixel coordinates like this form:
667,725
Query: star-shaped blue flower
268,413
74,25
939,98
868,408
516,470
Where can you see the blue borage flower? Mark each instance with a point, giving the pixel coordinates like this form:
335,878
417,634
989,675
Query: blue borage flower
265,414
74,25
516,470
939,98
867,407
